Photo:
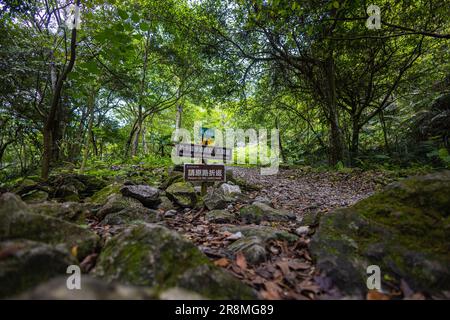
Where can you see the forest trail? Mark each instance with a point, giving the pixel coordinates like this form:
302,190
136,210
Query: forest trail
288,271
302,191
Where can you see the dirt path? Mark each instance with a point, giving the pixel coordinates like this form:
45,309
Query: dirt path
288,272
302,191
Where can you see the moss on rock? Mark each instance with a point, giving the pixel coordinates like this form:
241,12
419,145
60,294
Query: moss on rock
152,255
17,221
24,264
257,212
401,229
101,196
183,194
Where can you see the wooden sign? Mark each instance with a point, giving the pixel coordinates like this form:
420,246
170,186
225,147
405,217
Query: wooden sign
204,172
203,152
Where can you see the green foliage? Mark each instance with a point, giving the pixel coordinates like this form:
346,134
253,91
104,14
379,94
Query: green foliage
230,64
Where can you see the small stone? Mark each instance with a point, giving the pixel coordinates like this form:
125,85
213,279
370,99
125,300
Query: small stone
229,190
257,212
170,213
252,248
263,199
302,231
235,236
263,232
219,216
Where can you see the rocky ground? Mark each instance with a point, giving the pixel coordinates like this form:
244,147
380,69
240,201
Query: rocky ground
148,234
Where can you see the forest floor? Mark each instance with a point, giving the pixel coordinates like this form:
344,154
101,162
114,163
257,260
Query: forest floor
288,272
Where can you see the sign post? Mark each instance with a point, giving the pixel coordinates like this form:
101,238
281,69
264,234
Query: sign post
203,172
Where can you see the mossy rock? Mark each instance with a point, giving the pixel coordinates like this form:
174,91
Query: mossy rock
152,255
253,249
165,204
183,194
117,202
69,211
35,196
212,282
403,229
215,200
18,221
24,264
101,196
25,185
257,212
174,176
219,216
243,184
147,195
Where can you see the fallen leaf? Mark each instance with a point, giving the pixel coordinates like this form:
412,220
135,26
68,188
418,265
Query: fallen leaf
74,251
241,262
298,265
406,289
271,292
376,295
222,262
416,296
284,267
89,262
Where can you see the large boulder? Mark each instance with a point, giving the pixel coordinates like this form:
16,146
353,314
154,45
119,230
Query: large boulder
24,264
17,221
257,212
68,192
70,211
121,210
35,196
152,255
71,186
183,194
148,196
404,230
174,176
102,195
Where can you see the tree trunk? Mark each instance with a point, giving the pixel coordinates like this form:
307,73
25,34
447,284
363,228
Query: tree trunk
354,147
49,123
178,116
385,134
138,130
136,136
277,126
91,104
336,148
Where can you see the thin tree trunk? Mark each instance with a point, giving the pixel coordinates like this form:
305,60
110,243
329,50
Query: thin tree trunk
385,134
49,123
354,147
140,120
178,116
336,149
91,104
